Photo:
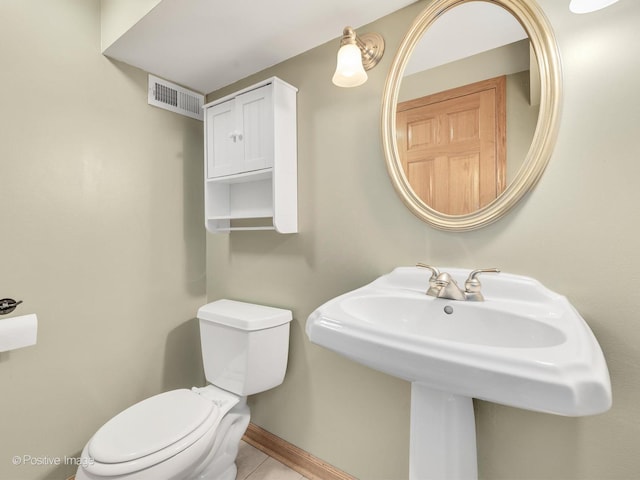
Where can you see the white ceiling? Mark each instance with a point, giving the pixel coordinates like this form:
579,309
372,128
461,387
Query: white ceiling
207,44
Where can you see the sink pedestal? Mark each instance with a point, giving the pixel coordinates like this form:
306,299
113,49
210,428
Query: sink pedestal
443,436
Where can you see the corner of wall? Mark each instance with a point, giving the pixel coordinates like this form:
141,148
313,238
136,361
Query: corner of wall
118,16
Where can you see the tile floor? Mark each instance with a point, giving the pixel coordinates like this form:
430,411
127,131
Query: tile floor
256,465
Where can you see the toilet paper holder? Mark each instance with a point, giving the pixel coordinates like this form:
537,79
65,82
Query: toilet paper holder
8,305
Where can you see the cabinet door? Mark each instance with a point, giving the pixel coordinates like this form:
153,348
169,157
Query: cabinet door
254,110
221,139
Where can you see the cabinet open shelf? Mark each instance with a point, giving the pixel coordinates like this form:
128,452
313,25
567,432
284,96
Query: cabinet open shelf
253,176
234,224
240,196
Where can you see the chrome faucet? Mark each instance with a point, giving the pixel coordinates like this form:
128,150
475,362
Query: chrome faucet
443,285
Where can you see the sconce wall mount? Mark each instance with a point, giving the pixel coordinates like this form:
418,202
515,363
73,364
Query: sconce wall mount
371,46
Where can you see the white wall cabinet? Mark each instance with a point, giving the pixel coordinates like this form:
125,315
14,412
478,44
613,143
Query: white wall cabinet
251,159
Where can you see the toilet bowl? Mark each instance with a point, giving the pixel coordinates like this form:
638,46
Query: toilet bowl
195,434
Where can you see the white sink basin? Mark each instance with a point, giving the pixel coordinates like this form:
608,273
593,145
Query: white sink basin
423,318
524,346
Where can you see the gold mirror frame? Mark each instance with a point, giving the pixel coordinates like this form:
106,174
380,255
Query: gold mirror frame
543,42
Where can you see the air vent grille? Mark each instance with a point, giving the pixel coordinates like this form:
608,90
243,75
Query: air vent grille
174,98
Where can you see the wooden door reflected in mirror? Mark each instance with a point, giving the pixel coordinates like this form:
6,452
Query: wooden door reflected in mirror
452,146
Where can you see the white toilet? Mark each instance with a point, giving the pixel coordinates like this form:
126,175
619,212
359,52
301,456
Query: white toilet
194,434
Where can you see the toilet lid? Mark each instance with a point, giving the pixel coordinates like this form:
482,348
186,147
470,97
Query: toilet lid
150,426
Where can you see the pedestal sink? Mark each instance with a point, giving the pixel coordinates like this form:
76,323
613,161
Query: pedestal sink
524,346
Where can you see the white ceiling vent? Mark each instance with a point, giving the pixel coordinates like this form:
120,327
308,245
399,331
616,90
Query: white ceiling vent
172,97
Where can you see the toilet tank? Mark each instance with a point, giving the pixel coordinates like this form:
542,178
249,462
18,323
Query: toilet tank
244,346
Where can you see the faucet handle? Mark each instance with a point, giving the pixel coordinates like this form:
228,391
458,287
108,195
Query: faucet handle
435,273
434,270
472,285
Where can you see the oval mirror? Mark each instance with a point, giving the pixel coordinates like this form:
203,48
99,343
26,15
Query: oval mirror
470,110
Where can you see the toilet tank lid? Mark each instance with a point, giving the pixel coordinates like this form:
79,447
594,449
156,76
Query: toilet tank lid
244,316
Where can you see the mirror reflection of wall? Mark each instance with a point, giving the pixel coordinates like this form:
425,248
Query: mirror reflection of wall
477,41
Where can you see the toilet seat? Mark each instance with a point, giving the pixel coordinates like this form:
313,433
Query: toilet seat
154,430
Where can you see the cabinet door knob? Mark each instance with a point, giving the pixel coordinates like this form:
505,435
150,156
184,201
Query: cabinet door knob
236,136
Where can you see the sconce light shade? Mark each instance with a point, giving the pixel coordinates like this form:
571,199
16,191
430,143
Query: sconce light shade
356,55
349,69
586,6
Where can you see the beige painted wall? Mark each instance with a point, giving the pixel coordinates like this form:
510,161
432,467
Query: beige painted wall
101,234
577,233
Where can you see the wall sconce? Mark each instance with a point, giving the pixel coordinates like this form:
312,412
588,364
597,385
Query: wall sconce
586,6
356,55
